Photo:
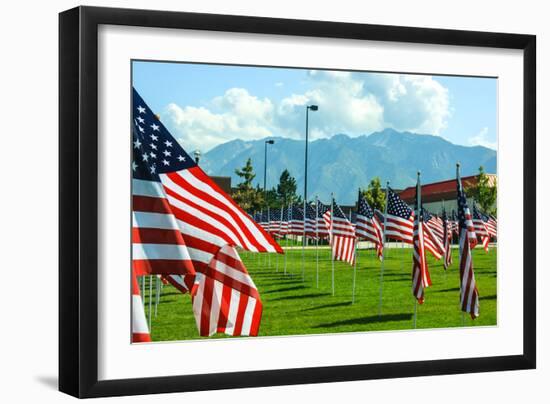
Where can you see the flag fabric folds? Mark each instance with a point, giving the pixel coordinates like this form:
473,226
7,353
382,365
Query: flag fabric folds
296,220
469,296
323,222
399,218
310,221
367,225
420,274
342,235
227,300
183,219
480,228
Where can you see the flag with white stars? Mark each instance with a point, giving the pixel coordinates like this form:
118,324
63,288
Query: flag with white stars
181,217
367,225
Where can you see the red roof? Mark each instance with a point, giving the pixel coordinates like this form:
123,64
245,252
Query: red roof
443,190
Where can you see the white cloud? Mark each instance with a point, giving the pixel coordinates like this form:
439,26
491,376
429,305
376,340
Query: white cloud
481,139
279,84
350,103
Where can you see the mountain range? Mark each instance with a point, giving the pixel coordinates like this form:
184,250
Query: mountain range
341,164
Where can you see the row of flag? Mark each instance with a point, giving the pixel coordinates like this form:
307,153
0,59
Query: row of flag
186,230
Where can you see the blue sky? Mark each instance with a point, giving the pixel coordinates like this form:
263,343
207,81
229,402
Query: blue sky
206,105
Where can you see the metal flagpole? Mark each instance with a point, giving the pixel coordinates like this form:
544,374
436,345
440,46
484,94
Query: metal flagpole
459,243
286,239
157,298
304,242
332,238
383,252
414,318
317,237
356,250
150,301
418,217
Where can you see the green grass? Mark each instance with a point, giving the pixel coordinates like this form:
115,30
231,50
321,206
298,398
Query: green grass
292,306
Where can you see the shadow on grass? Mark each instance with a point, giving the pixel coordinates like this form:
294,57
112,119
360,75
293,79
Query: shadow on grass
327,306
368,320
457,289
296,297
285,289
491,297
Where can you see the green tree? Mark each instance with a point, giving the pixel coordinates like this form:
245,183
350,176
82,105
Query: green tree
374,194
483,193
246,195
286,189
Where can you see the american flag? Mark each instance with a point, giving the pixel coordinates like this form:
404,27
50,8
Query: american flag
447,241
400,224
342,235
454,222
140,330
491,224
322,223
275,222
264,220
310,221
434,222
295,220
227,299
367,225
420,274
480,228
284,222
399,218
192,218
469,296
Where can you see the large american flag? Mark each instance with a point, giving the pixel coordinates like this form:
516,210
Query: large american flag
275,222
367,225
342,235
469,296
420,274
182,219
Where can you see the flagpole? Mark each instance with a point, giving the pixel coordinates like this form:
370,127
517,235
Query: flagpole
383,252
332,238
459,182
150,301
355,260
317,238
286,239
418,217
157,297
304,242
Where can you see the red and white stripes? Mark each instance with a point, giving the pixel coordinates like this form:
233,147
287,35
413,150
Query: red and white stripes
140,331
420,275
226,299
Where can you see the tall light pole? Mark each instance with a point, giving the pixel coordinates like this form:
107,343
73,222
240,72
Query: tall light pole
270,141
197,154
308,108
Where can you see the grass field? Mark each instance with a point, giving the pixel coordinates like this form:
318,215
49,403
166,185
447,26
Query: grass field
292,306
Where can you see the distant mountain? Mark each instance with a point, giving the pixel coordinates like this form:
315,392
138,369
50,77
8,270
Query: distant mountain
342,164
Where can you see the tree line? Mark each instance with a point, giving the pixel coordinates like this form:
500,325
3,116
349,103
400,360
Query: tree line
253,198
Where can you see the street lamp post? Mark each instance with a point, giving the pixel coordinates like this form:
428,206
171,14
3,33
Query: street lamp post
197,154
308,108
270,141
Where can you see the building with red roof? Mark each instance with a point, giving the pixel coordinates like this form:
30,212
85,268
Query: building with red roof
437,195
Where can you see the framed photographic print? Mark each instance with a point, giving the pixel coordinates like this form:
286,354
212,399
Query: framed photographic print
269,201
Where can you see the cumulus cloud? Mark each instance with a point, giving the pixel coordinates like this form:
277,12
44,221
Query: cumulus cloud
481,139
350,103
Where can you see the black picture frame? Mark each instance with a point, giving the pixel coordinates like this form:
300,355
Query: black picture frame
78,206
